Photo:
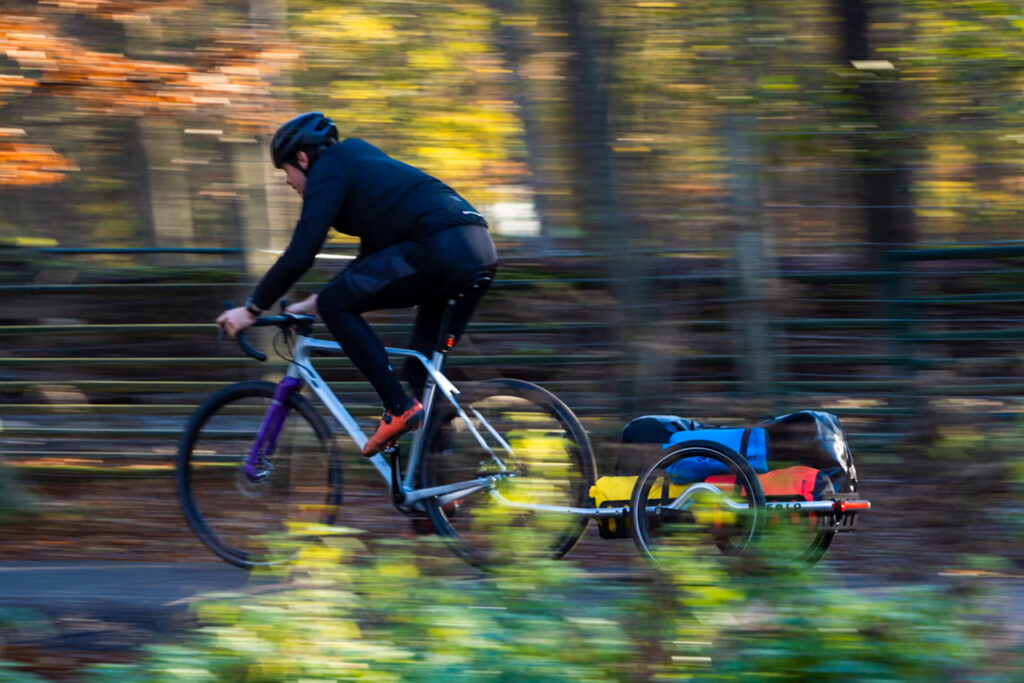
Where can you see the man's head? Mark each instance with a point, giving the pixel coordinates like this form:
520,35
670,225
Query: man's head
308,133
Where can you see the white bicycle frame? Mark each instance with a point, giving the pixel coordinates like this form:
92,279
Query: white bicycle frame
301,367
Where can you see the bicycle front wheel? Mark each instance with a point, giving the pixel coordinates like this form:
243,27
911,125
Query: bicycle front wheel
241,520
537,461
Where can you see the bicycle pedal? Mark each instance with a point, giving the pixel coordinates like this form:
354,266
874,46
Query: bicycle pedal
386,450
394,456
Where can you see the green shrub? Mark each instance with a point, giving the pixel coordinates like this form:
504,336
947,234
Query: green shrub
796,630
343,616
341,613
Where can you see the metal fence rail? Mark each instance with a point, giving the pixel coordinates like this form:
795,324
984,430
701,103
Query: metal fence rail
79,382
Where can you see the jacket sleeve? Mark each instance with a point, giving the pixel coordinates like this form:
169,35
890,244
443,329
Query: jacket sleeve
325,192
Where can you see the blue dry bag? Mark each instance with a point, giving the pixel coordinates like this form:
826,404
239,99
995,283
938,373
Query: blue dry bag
752,443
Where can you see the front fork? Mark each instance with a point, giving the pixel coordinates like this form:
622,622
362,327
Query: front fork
258,465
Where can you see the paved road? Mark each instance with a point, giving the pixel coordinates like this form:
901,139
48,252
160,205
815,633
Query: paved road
105,606
142,583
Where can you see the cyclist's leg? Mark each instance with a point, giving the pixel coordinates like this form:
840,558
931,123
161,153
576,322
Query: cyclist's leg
404,275
458,256
424,335
385,279
426,329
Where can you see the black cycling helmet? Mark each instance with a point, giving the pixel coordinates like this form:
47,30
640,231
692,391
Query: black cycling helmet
309,130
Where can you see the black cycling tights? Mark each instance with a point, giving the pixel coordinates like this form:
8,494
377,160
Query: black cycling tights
423,273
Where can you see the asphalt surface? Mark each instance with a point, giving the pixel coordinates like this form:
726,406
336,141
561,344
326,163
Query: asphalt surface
96,607
146,584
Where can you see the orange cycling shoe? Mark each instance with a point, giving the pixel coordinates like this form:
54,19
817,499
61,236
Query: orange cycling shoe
393,426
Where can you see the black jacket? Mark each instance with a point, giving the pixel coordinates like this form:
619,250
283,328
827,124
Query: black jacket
359,190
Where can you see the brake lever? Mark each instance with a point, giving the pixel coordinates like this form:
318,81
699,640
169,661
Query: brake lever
249,350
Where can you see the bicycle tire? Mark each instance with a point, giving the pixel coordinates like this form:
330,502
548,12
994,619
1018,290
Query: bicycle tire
551,454
706,521
822,539
244,522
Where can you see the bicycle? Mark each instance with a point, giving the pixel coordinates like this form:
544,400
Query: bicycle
503,455
257,458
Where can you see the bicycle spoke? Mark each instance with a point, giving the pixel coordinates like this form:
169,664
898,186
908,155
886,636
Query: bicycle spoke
548,463
675,508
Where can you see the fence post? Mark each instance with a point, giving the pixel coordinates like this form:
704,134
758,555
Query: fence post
757,364
750,324
898,309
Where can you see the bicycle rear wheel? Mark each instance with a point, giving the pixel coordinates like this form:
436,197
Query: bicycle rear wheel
702,496
536,454
240,520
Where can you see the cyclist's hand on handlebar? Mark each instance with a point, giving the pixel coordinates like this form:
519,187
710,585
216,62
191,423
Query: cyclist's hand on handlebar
305,307
236,320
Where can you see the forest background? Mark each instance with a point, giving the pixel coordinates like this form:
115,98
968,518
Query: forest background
720,210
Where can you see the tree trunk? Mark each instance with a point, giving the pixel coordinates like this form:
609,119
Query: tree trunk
255,228
170,197
268,212
885,179
590,135
597,195
751,322
167,196
511,43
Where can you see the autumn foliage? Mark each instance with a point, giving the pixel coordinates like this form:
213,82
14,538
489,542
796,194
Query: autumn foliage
229,79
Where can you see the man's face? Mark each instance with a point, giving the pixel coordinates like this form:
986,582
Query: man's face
294,175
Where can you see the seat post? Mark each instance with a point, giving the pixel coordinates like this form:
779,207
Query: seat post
445,338
441,347
446,332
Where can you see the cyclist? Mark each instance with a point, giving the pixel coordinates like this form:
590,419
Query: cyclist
420,242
